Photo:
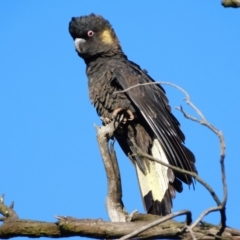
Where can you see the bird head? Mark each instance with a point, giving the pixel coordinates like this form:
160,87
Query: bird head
93,36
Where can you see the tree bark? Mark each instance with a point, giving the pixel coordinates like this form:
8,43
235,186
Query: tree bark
67,227
231,3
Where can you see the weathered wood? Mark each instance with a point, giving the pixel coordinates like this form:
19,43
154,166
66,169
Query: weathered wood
231,3
97,228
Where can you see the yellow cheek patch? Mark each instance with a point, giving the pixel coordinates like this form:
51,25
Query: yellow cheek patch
106,37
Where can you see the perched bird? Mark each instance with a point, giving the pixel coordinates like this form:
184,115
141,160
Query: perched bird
148,121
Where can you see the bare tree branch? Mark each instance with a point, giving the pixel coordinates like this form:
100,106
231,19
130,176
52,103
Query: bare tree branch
231,3
203,121
203,214
68,226
8,213
212,192
114,204
148,226
193,174
157,222
187,99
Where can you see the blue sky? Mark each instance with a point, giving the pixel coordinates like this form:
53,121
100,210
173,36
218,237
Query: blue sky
50,162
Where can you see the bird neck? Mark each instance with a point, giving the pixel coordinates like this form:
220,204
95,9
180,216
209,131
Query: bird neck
103,57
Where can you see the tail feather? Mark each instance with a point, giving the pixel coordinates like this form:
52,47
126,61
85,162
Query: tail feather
191,161
156,184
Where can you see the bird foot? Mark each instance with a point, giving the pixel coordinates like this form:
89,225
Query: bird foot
128,115
119,115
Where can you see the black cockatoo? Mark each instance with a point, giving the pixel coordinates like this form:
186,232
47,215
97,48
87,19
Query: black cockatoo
147,115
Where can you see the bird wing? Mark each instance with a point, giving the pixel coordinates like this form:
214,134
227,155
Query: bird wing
152,103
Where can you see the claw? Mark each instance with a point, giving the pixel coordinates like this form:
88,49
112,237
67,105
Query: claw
119,119
131,116
116,112
125,119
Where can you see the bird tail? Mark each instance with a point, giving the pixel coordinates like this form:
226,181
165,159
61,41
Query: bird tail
156,183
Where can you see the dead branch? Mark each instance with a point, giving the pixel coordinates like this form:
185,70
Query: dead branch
203,214
114,204
68,226
193,174
196,177
157,222
124,225
8,213
202,121
231,3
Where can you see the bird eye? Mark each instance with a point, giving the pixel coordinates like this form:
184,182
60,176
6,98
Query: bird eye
90,33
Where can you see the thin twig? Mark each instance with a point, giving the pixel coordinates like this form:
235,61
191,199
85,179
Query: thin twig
203,121
154,223
170,84
193,174
203,214
207,186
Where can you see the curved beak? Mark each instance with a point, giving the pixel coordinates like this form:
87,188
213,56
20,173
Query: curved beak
77,43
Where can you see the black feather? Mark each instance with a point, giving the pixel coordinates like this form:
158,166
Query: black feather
109,72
